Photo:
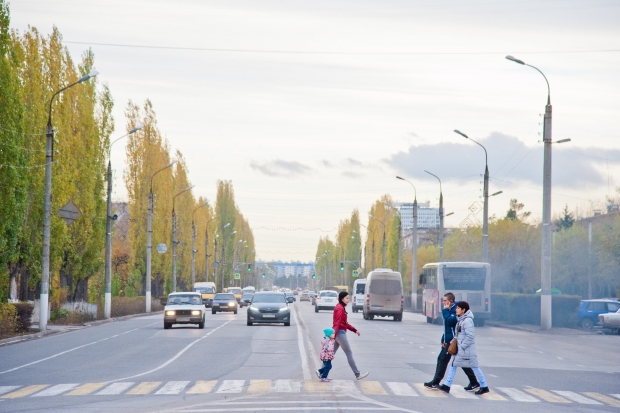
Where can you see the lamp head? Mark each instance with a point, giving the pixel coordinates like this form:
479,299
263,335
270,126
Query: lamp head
172,163
227,225
513,59
136,129
497,193
398,177
563,140
88,76
461,133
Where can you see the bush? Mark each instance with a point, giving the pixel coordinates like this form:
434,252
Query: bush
24,315
525,309
8,320
61,313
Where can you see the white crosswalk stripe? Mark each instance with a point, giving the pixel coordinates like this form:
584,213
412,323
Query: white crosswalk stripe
6,389
344,386
518,395
173,387
287,386
231,386
401,389
576,397
56,390
115,388
460,393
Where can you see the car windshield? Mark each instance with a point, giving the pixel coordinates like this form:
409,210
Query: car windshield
224,297
247,296
234,290
359,289
181,299
204,290
268,298
328,294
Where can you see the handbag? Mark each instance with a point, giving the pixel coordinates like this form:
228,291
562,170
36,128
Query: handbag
453,348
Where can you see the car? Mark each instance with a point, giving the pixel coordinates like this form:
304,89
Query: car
358,295
326,300
305,296
269,307
207,291
246,298
610,321
236,291
184,308
224,302
313,296
589,310
290,298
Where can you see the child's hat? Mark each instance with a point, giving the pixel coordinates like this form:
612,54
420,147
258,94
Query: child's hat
328,332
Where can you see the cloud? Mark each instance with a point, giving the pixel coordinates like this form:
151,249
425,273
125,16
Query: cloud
280,167
354,175
509,158
327,164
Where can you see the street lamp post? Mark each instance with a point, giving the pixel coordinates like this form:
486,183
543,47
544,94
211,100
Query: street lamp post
485,214
149,236
107,308
175,242
414,247
440,217
47,208
207,251
545,298
382,223
194,243
400,228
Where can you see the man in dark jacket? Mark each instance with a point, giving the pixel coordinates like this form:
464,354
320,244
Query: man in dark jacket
449,324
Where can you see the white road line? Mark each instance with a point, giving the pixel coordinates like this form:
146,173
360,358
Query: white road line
421,347
173,387
460,393
344,386
616,395
287,386
493,375
115,388
401,389
560,358
56,390
6,389
231,386
518,395
68,351
576,397
302,348
176,356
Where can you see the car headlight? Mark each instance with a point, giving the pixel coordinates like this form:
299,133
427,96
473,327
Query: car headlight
232,304
170,312
283,309
196,312
253,309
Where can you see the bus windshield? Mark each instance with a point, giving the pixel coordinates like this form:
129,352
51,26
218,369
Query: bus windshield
204,290
460,278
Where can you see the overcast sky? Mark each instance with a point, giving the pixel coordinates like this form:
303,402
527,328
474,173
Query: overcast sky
312,107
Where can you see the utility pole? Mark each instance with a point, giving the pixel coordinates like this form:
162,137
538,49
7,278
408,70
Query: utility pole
194,251
414,247
589,259
207,255
440,217
175,242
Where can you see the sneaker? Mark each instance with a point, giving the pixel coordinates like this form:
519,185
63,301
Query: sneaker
431,385
482,390
325,380
362,375
444,388
472,387
318,374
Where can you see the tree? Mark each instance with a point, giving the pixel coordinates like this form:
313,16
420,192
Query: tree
565,221
514,213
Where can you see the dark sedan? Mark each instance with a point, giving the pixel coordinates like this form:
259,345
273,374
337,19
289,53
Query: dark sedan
268,307
246,299
224,302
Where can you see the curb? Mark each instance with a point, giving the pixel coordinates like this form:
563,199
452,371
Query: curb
69,327
536,329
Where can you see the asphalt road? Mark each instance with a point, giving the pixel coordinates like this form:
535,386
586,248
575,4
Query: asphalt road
137,366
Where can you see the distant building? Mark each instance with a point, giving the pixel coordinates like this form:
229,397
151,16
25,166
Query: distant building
427,217
295,269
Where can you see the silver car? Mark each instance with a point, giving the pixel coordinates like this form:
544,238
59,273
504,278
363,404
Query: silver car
184,308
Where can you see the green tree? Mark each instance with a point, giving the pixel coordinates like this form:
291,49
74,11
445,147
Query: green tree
565,221
514,212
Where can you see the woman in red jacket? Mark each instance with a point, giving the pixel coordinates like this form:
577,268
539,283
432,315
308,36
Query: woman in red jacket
340,328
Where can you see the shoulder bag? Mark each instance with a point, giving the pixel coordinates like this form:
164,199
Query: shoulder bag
453,348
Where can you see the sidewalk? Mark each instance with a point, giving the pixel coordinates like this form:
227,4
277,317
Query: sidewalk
53,329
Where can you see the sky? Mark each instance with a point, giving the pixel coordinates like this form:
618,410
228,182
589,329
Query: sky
312,108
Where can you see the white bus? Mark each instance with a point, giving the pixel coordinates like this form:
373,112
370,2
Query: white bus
468,281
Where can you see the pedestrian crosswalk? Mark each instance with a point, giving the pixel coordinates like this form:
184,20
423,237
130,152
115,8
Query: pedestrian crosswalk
369,388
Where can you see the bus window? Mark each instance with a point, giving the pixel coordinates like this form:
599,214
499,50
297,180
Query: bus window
464,278
430,278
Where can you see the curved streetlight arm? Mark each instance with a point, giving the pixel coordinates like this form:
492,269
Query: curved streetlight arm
435,177
174,197
415,194
486,157
196,209
165,167
382,223
521,62
131,132
82,79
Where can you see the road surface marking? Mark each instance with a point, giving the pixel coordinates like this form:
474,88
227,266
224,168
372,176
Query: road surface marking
146,387
259,386
603,398
115,388
372,387
85,389
344,386
6,389
202,387
560,358
302,348
287,386
493,375
410,342
56,390
518,395
493,395
421,347
231,386
428,393
67,351
26,391
576,397
547,396
176,356
401,389
314,386
616,395
173,387
460,393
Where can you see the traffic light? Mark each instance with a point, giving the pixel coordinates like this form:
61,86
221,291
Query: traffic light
342,266
249,267
263,275
313,276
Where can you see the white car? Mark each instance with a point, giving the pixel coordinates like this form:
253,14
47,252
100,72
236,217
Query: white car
326,300
184,308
